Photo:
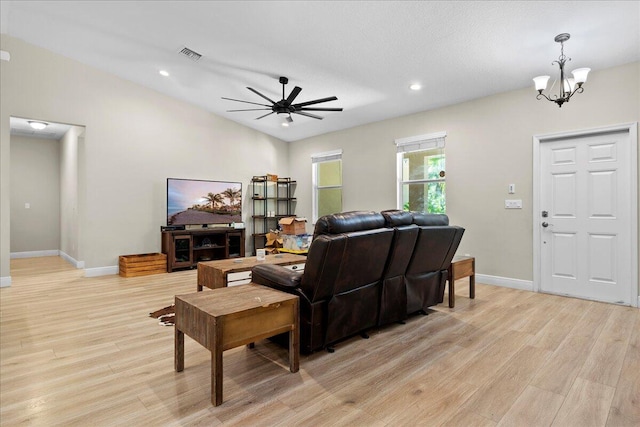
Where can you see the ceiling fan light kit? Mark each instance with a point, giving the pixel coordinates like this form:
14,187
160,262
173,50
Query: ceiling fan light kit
286,105
569,86
286,121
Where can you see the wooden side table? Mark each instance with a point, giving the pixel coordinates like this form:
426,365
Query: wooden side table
462,266
215,274
230,317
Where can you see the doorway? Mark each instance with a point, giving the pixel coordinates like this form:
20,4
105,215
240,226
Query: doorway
585,214
44,189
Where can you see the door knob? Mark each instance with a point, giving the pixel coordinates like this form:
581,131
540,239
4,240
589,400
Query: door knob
545,224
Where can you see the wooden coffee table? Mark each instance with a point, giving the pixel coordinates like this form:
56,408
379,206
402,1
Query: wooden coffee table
462,266
230,317
215,274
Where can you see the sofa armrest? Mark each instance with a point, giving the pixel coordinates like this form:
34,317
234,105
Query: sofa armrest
277,277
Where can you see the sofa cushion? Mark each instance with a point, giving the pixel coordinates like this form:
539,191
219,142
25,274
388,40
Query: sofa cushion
347,222
427,219
396,218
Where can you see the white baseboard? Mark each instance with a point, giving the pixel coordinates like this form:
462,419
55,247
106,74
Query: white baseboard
34,254
5,282
523,285
101,271
507,282
71,260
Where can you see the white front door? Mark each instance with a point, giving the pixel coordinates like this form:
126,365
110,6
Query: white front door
584,217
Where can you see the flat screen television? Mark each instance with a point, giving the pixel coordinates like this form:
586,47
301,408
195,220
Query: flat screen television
199,202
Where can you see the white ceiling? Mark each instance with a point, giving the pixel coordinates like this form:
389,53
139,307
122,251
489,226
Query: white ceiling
365,53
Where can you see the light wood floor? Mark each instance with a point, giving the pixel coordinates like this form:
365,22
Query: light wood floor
83,351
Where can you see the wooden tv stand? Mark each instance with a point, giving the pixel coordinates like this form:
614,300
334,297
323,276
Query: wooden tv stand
185,248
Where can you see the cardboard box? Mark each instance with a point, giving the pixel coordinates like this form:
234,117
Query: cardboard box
293,225
271,177
298,243
273,240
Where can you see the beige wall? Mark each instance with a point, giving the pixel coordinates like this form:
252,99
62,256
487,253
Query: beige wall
489,145
35,179
69,179
135,138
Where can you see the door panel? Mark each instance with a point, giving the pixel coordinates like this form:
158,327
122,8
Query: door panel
564,255
602,258
602,194
564,195
585,248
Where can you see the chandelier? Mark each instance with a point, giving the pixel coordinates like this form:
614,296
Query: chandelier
568,86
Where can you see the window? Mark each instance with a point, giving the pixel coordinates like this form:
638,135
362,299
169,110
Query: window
327,183
421,173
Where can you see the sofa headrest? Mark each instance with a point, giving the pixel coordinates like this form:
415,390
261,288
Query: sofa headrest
396,218
421,218
348,221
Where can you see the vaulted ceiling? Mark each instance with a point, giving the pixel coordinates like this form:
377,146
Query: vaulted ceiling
366,53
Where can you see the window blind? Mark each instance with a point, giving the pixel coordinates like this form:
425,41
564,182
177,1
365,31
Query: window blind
420,142
326,156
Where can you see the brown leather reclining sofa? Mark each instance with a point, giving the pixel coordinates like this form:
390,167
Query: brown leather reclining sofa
366,269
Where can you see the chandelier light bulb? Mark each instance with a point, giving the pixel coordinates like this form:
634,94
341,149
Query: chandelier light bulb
580,75
541,82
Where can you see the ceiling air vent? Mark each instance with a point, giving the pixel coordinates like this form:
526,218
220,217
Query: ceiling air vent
192,55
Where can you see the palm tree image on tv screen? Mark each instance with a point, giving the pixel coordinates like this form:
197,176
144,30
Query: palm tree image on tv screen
199,202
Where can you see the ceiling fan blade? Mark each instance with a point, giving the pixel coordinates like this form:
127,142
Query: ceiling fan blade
320,109
296,90
258,118
249,109
246,102
261,95
302,113
317,101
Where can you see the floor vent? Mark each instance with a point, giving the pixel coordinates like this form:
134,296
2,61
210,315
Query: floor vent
194,56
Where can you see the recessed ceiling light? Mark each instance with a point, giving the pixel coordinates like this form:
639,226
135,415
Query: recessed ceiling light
37,125
164,73
415,86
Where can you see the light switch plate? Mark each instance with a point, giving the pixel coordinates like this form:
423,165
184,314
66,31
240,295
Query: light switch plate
513,204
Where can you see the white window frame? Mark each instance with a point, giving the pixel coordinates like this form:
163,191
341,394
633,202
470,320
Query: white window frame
410,144
327,156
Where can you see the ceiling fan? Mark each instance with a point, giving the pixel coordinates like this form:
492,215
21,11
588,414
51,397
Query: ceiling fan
286,105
